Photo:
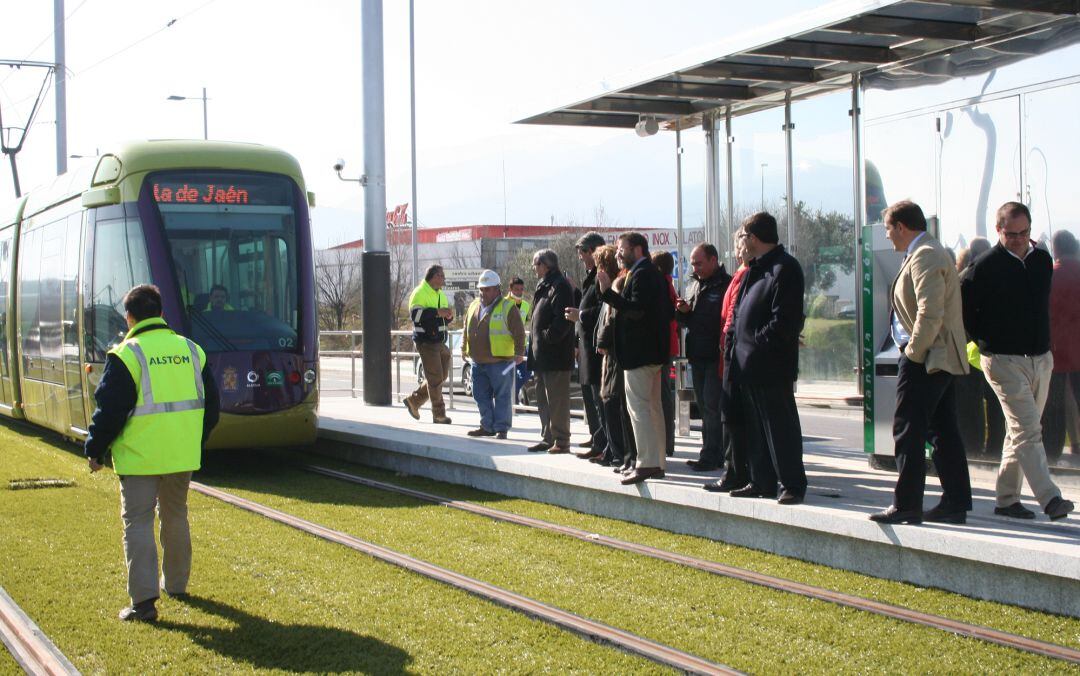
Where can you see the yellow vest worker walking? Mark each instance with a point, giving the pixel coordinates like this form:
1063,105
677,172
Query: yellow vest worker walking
156,405
430,312
494,342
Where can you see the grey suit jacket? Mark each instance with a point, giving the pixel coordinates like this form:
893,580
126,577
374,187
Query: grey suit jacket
926,298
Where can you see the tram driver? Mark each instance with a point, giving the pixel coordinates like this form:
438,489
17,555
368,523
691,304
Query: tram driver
219,299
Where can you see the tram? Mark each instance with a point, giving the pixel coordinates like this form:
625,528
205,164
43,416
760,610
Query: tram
223,229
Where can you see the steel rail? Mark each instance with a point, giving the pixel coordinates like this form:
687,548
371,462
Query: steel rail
585,627
30,647
964,629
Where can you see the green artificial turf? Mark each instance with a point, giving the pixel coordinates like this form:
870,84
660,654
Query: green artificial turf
266,597
735,623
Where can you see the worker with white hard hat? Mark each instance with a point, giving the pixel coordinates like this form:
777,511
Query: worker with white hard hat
494,342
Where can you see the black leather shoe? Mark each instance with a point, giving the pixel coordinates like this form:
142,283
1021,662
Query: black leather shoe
500,435
1059,508
480,432
540,447
752,491
586,444
1016,511
717,487
698,467
144,611
641,474
894,515
790,497
943,514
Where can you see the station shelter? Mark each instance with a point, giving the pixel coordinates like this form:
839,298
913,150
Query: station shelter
959,105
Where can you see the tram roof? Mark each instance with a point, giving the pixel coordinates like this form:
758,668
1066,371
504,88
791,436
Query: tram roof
819,51
154,155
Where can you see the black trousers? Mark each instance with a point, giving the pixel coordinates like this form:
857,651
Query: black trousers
1062,385
773,437
594,414
667,402
979,415
707,386
926,412
614,424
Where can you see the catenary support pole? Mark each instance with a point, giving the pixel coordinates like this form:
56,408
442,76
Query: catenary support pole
412,143
61,87
376,258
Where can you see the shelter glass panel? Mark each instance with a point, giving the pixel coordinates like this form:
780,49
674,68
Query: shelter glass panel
1052,174
758,158
825,235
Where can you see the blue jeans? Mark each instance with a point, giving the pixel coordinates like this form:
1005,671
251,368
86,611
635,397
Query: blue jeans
523,376
491,390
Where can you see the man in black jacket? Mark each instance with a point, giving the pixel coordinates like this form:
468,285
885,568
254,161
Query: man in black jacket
1006,299
764,345
586,315
642,344
700,314
551,352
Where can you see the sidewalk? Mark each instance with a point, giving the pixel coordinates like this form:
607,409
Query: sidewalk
1034,564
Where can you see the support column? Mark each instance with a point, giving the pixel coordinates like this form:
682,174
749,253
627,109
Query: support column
729,232
412,143
789,174
712,188
376,258
61,88
681,240
864,334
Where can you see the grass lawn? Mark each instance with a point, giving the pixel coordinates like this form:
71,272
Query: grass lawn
266,597
735,623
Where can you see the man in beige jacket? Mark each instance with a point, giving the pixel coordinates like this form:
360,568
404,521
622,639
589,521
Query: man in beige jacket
926,324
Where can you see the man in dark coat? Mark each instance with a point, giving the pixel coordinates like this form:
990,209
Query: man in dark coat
700,314
764,345
551,352
642,343
586,315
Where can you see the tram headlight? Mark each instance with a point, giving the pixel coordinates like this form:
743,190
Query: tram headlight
309,376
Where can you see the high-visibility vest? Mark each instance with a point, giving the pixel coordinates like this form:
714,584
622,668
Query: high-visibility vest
422,298
523,307
164,433
502,343
973,355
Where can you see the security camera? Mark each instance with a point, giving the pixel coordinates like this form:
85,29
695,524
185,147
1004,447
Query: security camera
339,165
646,126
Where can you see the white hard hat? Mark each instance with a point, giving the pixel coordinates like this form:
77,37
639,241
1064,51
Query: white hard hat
488,278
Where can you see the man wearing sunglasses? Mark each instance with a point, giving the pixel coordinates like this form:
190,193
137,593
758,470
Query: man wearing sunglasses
1007,312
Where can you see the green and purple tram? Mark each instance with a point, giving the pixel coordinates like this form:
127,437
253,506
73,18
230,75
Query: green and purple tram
223,229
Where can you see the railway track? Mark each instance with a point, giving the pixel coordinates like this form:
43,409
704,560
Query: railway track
981,633
30,647
591,629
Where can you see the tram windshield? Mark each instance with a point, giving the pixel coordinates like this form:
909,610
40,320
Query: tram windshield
232,238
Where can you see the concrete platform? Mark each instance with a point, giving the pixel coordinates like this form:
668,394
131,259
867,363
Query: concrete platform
1032,564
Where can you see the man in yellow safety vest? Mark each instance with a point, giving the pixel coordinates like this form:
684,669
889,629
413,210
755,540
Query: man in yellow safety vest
494,342
517,296
430,312
156,405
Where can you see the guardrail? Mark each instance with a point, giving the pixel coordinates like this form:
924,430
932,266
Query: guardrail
684,395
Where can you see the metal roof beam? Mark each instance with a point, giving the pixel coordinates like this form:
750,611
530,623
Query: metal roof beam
749,71
639,106
1040,6
917,28
694,90
827,51
585,120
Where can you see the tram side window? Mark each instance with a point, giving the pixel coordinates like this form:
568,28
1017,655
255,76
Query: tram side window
120,262
5,290
30,301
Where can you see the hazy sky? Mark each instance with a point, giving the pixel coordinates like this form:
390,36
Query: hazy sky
288,74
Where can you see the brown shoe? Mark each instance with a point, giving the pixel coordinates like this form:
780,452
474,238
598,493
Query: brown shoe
441,420
590,454
540,447
414,410
641,474
556,450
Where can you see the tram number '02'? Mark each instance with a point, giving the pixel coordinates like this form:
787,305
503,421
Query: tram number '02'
285,342
212,194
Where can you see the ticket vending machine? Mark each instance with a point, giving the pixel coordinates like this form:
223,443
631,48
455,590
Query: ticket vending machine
881,263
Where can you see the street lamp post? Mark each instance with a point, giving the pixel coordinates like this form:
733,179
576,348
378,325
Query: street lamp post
205,128
763,165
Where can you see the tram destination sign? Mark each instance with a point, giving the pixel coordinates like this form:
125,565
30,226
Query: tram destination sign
238,189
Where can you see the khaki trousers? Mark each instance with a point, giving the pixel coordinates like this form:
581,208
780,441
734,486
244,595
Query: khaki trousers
1021,385
139,495
435,358
553,404
646,415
